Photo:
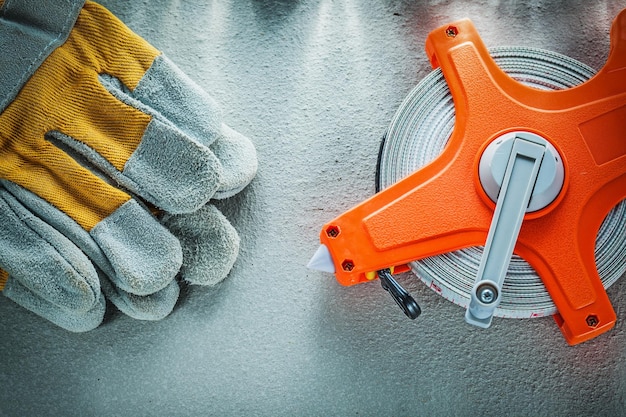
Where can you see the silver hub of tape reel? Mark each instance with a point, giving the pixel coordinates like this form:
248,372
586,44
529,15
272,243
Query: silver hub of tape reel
418,133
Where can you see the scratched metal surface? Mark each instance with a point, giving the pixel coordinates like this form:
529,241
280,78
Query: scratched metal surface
314,84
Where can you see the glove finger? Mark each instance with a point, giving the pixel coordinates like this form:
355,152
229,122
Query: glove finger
168,93
239,162
43,260
66,318
154,306
210,244
137,253
210,247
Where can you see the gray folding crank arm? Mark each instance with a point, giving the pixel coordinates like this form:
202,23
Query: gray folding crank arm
517,188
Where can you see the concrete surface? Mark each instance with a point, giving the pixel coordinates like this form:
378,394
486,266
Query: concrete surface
315,84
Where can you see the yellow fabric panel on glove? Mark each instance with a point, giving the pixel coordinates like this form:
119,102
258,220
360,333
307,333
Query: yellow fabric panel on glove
4,276
71,100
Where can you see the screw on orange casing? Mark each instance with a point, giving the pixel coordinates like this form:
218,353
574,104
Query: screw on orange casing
442,206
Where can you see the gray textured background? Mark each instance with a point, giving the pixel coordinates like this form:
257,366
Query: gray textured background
314,84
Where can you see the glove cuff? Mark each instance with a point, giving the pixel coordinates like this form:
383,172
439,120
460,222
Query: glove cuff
29,31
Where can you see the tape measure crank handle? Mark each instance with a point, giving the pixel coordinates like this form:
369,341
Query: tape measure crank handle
400,295
517,188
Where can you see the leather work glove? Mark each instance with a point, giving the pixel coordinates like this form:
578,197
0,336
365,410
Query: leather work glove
109,156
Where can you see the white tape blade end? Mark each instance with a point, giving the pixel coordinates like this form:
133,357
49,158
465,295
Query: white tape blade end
322,260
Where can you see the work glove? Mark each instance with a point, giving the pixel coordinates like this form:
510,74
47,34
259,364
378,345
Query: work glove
109,157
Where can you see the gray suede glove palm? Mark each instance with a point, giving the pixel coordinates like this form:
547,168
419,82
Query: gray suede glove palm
109,158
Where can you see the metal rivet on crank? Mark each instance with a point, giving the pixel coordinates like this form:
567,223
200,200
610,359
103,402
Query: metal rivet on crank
487,293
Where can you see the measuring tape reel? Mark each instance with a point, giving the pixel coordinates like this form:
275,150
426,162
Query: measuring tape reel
418,134
501,183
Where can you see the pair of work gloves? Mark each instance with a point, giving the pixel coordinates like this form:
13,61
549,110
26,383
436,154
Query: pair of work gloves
109,159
